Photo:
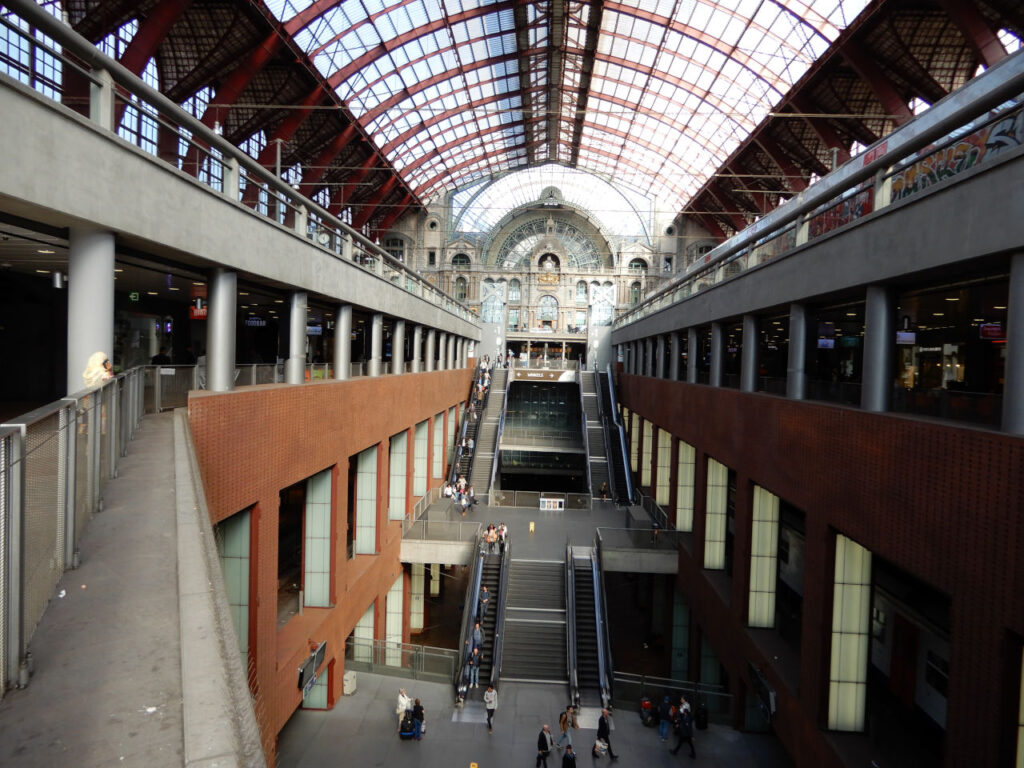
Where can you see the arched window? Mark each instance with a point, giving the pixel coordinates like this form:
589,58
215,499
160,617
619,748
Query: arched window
515,291
638,266
460,288
634,294
548,309
460,261
396,247
581,292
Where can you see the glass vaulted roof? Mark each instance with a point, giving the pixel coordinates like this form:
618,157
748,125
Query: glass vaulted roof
655,94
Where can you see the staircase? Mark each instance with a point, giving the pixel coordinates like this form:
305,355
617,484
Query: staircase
587,672
616,462
595,434
486,436
534,645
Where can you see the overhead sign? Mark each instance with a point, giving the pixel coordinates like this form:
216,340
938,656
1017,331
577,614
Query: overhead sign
197,313
308,669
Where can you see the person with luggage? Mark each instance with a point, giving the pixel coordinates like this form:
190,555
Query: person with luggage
418,720
604,734
544,744
404,705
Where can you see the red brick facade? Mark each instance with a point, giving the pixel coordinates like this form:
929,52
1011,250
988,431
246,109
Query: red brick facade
254,442
942,502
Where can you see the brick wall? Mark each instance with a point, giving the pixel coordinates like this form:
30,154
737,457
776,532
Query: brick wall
255,441
943,502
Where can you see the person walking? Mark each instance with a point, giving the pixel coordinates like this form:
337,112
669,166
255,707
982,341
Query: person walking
544,744
604,732
664,718
684,730
566,722
417,719
569,758
490,704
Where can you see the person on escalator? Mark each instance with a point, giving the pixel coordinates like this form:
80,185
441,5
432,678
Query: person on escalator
474,668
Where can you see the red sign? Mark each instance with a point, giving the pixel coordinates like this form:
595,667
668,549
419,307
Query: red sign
197,313
991,331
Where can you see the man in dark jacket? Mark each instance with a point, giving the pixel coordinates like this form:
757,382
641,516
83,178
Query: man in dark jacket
684,731
569,758
604,732
544,744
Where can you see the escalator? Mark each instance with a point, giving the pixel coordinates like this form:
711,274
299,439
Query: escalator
487,572
616,459
589,657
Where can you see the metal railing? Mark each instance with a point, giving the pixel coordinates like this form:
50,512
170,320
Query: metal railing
385,657
495,461
630,688
570,626
627,469
531,499
583,432
897,166
499,617
640,538
605,420
55,463
604,642
460,678
657,514
202,153
442,530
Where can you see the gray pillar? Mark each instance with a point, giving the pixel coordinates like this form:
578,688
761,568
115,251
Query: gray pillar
417,346
800,335
376,343
295,367
675,355
452,339
90,300
442,351
749,362
879,349
659,363
220,331
343,342
648,356
1013,387
691,355
717,354
398,347
430,353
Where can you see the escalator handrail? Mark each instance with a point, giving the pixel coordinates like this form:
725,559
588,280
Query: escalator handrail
604,647
604,418
499,616
622,438
501,428
570,625
469,620
585,434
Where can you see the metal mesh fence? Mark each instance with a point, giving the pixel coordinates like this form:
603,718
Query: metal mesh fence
43,555
5,512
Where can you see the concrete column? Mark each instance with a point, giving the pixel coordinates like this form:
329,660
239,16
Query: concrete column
800,336
451,352
717,353
417,346
879,349
398,348
90,300
220,331
691,355
343,342
101,101
659,362
346,247
750,360
442,350
430,353
648,356
675,355
1013,387
295,367
634,357
376,344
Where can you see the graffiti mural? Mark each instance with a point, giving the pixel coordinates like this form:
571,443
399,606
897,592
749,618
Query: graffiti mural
853,207
966,152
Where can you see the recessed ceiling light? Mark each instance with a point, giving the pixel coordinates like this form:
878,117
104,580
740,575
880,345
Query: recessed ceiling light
196,283
152,293
279,301
45,250
952,298
43,271
851,314
938,314
118,269
172,288
998,307
243,293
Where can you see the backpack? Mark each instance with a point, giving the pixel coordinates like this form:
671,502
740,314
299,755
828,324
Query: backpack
563,721
408,728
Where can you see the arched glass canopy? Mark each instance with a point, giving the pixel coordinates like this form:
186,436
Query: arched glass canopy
462,90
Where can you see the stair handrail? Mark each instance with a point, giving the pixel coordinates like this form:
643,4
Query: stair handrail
466,418
585,434
622,439
469,612
604,418
570,626
604,645
501,428
499,616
